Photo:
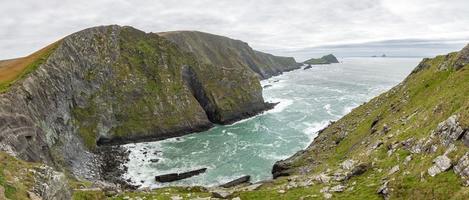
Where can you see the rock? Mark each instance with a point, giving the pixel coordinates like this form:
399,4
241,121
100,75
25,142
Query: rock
50,184
358,170
449,130
393,170
154,160
33,196
324,189
267,86
308,67
176,198
386,128
462,168
348,164
327,195
384,190
281,191
223,194
178,176
337,188
236,198
238,181
441,164
322,178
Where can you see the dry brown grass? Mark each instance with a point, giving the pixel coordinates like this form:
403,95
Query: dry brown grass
13,69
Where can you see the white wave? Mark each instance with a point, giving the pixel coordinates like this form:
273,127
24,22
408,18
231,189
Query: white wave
283,103
312,130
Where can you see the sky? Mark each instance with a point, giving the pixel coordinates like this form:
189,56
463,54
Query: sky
298,28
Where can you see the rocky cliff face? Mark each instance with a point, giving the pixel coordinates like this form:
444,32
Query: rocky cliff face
229,53
114,84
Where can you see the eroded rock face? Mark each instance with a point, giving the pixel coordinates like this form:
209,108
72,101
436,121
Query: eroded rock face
51,185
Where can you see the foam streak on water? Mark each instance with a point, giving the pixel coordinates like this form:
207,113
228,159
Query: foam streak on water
308,101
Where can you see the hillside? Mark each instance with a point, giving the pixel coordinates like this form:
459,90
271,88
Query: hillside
110,85
226,52
327,59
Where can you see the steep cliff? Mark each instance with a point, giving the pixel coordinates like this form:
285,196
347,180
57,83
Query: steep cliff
222,51
114,84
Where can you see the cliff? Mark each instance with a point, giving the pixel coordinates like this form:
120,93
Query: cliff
229,53
114,84
411,142
327,59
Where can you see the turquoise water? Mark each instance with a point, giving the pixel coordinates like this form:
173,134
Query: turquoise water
309,99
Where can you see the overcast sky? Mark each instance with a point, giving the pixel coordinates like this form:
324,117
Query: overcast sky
271,25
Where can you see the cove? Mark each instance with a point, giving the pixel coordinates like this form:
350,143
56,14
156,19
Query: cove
309,100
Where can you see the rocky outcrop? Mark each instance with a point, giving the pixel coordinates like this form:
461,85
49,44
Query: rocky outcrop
327,59
113,84
178,176
229,53
238,181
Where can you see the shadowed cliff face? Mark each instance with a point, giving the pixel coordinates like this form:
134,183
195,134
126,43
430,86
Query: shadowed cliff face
115,84
229,53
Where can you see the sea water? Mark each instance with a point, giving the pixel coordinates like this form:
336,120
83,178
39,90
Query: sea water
308,101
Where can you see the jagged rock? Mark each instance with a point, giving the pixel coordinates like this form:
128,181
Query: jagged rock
238,181
337,188
449,130
348,164
441,164
393,170
462,168
384,190
462,58
179,176
50,184
327,195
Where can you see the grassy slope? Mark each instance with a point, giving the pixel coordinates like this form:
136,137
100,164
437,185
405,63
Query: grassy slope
17,69
15,177
411,110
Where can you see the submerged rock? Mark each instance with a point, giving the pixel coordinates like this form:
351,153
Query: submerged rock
178,176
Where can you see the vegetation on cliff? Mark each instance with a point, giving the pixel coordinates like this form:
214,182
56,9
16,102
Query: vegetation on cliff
225,52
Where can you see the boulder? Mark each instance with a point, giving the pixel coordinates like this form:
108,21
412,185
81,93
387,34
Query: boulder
337,188
238,181
307,67
393,170
449,130
462,168
441,164
179,176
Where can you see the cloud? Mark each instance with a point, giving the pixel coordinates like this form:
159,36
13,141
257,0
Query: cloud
270,25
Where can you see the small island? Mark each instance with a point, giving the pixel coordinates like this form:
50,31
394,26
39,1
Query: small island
327,59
